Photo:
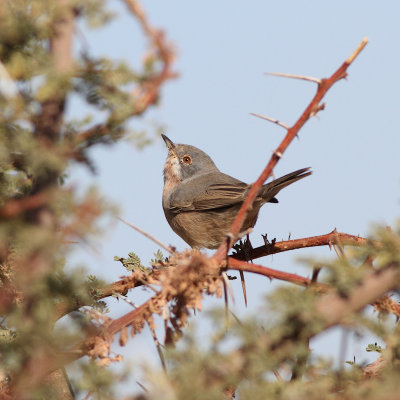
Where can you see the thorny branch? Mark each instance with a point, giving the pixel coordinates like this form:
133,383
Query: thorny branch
329,239
199,272
237,262
311,110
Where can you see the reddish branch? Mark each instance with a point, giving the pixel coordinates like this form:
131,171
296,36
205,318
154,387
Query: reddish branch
374,369
270,273
323,86
332,309
15,207
329,239
120,287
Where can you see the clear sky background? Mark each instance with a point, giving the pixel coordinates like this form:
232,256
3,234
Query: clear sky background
224,48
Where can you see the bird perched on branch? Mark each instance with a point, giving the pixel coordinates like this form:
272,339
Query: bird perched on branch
200,202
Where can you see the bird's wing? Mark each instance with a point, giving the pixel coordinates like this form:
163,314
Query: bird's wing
199,195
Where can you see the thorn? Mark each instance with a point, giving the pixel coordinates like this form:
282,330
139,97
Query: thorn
228,285
226,304
315,274
339,251
243,287
131,303
277,375
273,120
293,76
168,248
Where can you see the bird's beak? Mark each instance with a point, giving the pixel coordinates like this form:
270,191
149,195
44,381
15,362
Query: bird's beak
170,144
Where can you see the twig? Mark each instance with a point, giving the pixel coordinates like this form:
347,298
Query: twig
311,109
273,120
164,246
292,76
127,300
87,397
158,346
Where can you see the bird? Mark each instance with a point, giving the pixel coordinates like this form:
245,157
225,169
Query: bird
200,202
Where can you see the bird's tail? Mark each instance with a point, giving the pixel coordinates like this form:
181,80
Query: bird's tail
271,189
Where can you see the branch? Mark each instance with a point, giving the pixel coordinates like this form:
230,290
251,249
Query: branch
329,239
374,369
136,228
270,273
238,262
332,309
311,110
148,91
15,207
385,304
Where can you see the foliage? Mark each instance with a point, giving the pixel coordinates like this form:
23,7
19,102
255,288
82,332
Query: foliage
41,216
52,315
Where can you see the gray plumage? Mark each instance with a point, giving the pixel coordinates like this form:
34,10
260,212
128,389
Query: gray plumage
200,202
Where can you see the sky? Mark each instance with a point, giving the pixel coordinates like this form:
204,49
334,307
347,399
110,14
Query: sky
224,50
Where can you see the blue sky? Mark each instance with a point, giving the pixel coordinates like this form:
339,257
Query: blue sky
224,48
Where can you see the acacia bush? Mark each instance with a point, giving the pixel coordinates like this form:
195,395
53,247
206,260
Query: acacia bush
264,356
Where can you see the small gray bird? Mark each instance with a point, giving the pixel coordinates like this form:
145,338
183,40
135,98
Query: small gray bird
200,202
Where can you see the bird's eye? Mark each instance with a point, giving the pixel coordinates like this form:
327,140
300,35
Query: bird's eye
186,159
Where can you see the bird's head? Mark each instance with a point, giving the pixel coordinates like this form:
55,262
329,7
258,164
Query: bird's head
185,162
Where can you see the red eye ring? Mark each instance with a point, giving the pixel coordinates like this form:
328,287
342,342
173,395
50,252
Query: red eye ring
186,159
